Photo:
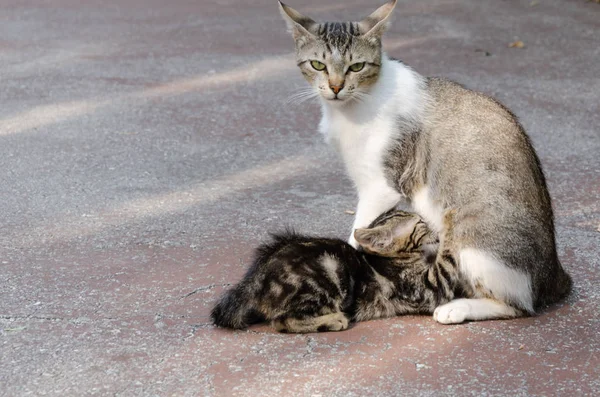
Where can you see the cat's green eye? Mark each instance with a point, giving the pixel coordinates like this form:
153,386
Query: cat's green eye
317,65
357,67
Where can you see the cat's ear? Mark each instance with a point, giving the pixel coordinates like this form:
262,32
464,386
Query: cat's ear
298,24
375,24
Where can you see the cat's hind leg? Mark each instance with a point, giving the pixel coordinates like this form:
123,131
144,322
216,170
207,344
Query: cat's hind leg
491,278
459,310
328,322
497,291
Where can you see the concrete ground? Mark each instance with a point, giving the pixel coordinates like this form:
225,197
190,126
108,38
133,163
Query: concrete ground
146,148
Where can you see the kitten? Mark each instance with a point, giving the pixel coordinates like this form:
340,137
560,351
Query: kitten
305,284
433,144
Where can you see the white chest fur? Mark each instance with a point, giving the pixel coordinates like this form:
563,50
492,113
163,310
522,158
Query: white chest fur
361,145
363,132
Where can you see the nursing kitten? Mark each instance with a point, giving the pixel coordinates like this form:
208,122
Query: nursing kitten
434,144
306,284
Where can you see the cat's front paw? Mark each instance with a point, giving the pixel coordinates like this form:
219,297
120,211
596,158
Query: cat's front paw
352,241
451,313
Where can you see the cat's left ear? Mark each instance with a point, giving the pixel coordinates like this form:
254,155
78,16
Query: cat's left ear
298,24
375,24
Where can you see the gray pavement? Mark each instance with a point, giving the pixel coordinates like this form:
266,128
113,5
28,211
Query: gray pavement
146,148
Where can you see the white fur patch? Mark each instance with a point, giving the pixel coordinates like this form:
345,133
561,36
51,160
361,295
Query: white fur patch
501,281
459,310
330,264
424,205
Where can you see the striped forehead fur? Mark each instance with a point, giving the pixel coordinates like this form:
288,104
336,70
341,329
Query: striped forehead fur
393,213
339,35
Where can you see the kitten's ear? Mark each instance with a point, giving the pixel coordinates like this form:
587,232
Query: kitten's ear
374,239
380,238
375,24
298,24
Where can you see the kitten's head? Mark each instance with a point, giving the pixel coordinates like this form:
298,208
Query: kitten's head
394,232
341,60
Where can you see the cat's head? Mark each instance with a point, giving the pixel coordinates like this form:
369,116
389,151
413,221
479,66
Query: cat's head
341,60
394,232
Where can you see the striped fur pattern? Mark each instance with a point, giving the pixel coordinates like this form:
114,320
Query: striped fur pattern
338,46
306,284
339,35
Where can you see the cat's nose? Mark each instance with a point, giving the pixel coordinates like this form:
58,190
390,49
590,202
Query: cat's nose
336,88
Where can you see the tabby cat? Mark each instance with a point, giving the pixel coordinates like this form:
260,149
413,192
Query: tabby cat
305,284
434,144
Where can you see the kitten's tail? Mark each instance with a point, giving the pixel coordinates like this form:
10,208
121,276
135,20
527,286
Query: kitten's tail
242,305
235,308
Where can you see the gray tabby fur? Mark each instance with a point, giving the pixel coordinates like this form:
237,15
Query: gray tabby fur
435,145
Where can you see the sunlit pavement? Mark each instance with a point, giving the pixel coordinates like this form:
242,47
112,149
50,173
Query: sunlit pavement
146,147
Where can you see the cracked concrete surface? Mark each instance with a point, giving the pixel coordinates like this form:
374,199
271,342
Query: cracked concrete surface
146,150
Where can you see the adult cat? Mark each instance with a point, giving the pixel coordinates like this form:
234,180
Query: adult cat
437,145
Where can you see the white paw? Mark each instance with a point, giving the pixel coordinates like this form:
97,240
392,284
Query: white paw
352,241
451,313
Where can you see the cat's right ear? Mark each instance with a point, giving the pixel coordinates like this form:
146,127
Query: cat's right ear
298,24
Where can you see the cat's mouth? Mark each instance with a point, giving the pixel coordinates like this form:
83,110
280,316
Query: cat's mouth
336,99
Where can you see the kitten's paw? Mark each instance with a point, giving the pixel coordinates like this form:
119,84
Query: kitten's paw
337,322
451,313
328,322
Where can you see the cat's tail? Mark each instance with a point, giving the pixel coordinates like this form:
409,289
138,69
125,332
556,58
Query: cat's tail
236,308
564,283
557,289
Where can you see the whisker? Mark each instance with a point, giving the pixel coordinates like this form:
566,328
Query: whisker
360,97
300,97
302,93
